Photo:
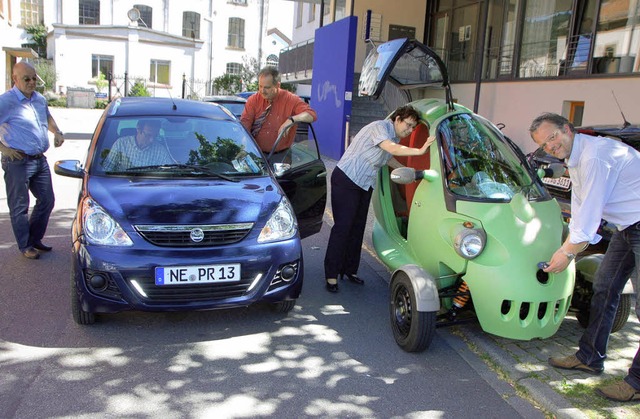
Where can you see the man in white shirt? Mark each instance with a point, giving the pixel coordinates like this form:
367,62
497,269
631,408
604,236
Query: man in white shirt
605,175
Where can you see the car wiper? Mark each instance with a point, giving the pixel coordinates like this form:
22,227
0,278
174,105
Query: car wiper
193,168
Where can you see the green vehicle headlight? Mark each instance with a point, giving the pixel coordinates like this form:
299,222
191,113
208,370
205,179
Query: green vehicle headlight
469,243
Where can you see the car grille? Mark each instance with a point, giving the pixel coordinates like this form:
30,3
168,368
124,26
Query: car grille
194,235
188,293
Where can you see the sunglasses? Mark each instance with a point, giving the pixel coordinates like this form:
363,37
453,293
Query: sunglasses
28,79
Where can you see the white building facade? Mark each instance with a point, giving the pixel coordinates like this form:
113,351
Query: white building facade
161,43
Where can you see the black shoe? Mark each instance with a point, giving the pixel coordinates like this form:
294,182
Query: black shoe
332,287
30,253
42,246
354,278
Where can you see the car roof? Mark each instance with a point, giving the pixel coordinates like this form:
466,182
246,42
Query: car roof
224,98
628,134
157,106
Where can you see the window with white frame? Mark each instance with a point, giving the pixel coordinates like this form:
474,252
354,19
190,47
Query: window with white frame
236,33
101,64
191,25
160,71
243,2
89,12
146,13
234,68
31,12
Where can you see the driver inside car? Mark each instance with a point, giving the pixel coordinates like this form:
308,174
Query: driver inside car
139,150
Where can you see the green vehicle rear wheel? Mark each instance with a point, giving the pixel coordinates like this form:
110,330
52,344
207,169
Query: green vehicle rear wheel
413,330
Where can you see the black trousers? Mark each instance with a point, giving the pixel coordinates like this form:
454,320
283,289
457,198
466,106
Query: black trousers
350,205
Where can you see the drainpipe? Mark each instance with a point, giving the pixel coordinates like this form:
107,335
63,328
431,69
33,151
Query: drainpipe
480,55
261,29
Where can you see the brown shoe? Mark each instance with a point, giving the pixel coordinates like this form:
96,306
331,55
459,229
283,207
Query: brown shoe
619,391
30,253
572,362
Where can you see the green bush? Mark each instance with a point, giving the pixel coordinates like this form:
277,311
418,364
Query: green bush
60,102
228,84
47,72
101,103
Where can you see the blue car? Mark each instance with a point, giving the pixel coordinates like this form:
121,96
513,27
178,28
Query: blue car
180,210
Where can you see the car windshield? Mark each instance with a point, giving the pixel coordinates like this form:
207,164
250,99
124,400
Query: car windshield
176,147
480,164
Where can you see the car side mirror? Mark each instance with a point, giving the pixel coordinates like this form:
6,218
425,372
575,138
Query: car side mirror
406,175
69,168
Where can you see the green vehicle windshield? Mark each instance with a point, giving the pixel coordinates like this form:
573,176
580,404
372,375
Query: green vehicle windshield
480,164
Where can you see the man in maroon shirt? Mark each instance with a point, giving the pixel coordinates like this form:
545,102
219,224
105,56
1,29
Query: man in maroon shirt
272,110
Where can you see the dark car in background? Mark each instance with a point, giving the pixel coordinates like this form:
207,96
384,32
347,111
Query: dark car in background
210,228
235,104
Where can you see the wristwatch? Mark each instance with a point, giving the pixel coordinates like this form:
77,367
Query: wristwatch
569,255
292,120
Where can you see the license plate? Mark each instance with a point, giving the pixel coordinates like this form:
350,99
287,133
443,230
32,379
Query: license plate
190,275
560,182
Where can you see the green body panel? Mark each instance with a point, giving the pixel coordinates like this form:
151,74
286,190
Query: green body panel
508,297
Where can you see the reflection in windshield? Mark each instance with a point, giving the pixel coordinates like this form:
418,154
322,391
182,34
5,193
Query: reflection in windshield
480,164
218,147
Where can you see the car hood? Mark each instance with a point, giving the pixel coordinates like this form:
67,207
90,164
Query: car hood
138,201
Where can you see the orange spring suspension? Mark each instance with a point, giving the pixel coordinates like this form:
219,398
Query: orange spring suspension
460,300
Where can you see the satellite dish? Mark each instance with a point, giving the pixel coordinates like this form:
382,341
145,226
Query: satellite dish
133,14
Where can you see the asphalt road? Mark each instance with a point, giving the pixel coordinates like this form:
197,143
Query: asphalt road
332,356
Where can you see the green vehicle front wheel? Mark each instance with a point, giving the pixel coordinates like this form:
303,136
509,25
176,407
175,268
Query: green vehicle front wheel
413,330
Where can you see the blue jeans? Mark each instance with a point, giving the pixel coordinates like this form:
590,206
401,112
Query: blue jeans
20,177
620,261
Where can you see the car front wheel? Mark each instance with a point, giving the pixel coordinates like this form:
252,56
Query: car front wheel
413,330
79,315
283,306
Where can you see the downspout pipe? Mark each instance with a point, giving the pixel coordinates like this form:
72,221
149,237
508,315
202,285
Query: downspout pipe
480,55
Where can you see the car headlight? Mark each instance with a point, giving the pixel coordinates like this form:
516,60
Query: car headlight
99,228
470,242
282,224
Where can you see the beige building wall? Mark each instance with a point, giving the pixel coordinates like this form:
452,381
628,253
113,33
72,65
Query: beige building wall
516,103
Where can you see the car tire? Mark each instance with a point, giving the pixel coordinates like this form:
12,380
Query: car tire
283,306
79,315
413,330
622,314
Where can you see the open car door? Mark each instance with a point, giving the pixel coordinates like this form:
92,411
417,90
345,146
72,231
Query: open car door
302,175
406,63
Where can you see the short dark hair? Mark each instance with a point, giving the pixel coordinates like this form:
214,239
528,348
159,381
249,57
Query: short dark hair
553,118
405,112
270,71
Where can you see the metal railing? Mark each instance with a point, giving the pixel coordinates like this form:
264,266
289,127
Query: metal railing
296,60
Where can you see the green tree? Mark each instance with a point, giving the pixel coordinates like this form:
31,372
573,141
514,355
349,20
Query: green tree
139,89
39,39
250,70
